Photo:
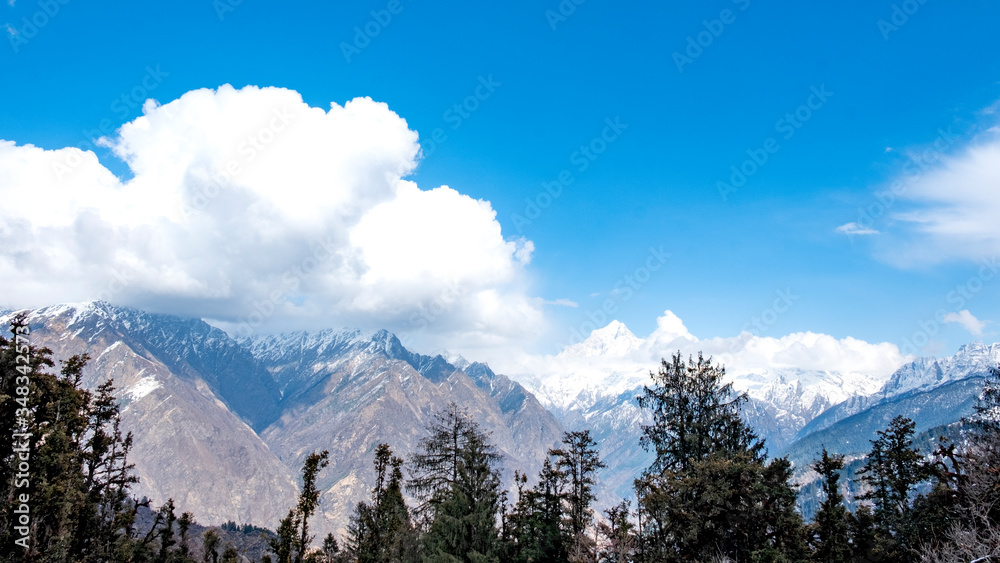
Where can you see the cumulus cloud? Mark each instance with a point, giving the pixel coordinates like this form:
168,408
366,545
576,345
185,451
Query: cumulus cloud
252,208
968,321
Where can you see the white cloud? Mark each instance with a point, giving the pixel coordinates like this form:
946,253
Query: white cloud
967,320
951,209
249,206
852,228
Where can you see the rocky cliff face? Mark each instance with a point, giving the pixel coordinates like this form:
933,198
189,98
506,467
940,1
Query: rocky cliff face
190,445
223,426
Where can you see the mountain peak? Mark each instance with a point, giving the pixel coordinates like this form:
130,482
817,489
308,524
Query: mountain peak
613,340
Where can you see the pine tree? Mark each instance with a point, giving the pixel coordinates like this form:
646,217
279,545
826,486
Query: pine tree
78,458
292,539
230,555
892,471
308,500
454,478
696,414
537,531
987,408
380,530
709,492
166,519
331,549
183,526
210,545
618,534
830,529
579,460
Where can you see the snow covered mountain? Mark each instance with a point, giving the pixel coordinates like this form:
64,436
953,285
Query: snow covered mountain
594,384
613,363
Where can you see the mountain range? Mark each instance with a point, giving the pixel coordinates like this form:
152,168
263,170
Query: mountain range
222,424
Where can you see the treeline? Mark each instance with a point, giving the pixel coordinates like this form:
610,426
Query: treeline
711,493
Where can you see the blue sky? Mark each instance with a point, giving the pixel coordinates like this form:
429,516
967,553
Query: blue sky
895,81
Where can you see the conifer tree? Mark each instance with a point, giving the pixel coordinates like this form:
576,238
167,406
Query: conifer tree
78,458
380,530
210,545
618,534
308,500
230,555
987,408
454,478
291,542
579,460
538,531
829,532
892,471
709,492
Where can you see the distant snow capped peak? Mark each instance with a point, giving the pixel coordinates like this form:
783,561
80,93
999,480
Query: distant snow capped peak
614,340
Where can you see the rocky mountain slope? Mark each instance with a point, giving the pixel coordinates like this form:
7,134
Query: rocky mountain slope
222,426
931,391
190,442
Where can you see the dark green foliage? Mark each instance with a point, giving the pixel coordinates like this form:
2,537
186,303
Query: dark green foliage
579,461
231,526
829,532
709,493
454,478
292,540
893,470
331,549
549,522
536,522
308,500
695,415
987,408
283,545
380,530
78,475
230,555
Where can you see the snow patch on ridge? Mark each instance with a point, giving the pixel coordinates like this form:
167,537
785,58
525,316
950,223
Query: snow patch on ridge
143,387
